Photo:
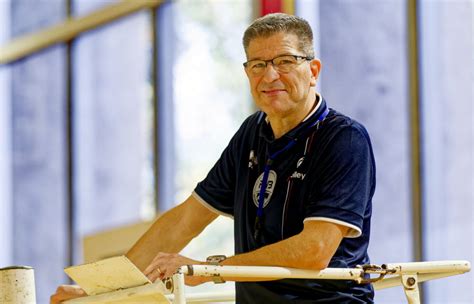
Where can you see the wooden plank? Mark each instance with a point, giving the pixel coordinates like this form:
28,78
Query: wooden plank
69,29
107,275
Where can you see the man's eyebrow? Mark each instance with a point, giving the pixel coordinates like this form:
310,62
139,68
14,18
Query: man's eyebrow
257,58
260,58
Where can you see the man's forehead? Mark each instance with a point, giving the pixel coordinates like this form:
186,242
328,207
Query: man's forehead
275,44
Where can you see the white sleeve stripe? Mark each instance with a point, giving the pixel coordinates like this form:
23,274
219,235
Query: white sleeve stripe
352,233
208,206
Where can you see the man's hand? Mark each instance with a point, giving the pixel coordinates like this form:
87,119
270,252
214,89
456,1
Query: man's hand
164,265
67,292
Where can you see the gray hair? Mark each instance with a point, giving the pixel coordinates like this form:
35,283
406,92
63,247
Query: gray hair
271,24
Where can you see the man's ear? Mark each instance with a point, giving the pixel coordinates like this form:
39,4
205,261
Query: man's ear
315,66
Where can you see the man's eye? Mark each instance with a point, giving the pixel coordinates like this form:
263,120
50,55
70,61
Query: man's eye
258,65
284,62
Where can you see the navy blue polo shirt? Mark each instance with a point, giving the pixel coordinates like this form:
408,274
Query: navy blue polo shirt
329,175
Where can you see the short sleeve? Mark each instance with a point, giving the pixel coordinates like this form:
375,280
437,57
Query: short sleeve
343,180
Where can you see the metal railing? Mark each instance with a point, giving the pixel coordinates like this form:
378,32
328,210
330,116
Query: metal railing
407,275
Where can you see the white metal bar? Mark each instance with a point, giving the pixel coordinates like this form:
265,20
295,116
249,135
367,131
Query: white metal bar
430,267
393,281
421,271
273,272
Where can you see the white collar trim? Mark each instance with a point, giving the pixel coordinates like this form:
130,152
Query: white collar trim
318,99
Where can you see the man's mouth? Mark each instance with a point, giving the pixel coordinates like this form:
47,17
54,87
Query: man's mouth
272,92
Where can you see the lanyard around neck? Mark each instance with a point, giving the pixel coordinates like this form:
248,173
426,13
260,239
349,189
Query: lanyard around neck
266,171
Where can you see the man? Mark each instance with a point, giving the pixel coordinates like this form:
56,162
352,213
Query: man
297,178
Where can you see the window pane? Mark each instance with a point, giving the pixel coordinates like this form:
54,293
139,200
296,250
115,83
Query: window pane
210,87
211,101
112,124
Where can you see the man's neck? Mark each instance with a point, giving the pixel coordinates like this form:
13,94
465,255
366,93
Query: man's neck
282,125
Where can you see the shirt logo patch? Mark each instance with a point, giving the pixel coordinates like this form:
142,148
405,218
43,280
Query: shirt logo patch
300,161
252,159
298,175
272,178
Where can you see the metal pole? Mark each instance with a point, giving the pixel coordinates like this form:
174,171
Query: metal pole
178,288
410,286
430,267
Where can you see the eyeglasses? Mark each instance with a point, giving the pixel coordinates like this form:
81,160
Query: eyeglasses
281,64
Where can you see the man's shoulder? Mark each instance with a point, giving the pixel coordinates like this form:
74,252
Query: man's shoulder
338,122
337,118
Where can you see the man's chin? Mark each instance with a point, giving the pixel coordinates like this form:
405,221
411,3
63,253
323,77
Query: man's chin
275,111
276,104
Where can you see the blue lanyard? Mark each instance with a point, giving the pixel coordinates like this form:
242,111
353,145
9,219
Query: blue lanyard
266,172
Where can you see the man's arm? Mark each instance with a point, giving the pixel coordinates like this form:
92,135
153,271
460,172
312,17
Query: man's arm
171,232
311,249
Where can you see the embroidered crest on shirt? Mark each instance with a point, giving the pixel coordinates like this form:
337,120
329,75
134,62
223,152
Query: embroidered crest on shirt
272,178
252,159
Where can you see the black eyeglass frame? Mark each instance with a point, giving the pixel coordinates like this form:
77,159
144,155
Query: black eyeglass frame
297,57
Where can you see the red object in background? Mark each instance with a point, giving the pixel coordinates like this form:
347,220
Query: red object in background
270,6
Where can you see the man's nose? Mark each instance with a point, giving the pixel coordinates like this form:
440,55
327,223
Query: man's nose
270,73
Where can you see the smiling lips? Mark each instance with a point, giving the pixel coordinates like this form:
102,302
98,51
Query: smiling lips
273,92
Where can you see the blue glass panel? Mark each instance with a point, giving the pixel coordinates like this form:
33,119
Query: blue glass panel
364,58
38,154
84,7
6,215
448,141
112,106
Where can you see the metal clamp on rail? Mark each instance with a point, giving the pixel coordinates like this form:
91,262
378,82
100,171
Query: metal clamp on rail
190,271
369,269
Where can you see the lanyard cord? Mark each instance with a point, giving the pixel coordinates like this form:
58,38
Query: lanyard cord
266,172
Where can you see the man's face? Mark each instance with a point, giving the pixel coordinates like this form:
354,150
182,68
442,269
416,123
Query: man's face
281,94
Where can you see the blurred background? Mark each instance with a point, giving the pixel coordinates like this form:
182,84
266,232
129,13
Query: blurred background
111,119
